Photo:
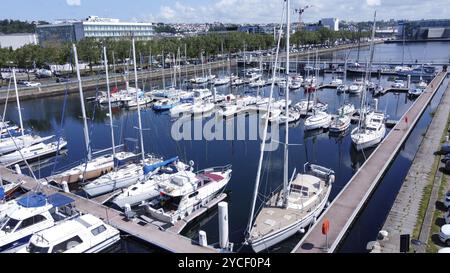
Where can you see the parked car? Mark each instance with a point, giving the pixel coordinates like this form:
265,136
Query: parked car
447,166
446,158
447,198
445,149
447,217
444,235
444,250
61,80
32,84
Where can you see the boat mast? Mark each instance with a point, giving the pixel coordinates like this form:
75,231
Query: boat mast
138,104
109,102
163,70
263,143
83,110
286,144
18,102
362,115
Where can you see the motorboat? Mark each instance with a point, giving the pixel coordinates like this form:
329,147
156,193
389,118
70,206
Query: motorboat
83,234
356,87
165,104
228,110
273,115
187,192
33,152
342,88
292,116
320,106
398,84
336,82
257,84
371,132
181,109
304,106
202,94
36,212
143,101
146,188
340,124
346,109
202,107
415,92
318,120
221,81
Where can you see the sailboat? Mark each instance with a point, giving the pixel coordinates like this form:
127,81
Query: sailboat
14,138
93,167
298,202
371,128
130,173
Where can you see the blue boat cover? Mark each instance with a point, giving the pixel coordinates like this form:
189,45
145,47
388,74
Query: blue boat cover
150,168
59,200
2,193
33,200
36,200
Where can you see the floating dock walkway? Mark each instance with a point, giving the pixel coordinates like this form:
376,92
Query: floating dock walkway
346,206
165,239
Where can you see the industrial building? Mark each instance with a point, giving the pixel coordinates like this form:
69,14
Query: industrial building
424,29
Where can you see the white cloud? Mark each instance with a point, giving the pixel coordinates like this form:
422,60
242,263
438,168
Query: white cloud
167,12
269,11
73,2
373,2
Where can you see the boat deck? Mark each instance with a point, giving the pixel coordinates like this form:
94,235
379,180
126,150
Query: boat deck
346,206
152,234
273,217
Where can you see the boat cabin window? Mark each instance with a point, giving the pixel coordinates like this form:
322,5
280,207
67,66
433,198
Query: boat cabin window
36,249
9,225
67,245
31,221
98,230
192,195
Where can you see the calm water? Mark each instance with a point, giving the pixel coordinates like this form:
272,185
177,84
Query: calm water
44,116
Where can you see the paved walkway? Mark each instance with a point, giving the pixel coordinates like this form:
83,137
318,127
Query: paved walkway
403,216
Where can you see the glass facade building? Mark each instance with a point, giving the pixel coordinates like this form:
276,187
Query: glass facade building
94,27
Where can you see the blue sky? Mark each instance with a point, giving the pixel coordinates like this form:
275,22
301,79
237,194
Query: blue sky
238,11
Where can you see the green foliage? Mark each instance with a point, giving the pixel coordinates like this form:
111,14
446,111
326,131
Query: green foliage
164,29
90,50
324,35
16,26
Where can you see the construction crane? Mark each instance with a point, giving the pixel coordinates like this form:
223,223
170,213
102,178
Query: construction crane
300,11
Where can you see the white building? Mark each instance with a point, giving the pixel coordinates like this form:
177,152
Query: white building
17,40
330,23
94,27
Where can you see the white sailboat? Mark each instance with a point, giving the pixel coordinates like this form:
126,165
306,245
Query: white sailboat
13,142
318,120
129,174
93,167
371,127
297,203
